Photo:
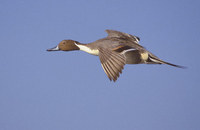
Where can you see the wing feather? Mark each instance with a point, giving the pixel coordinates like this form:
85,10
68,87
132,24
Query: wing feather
112,63
114,33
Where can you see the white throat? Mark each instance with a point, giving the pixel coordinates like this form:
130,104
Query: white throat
87,49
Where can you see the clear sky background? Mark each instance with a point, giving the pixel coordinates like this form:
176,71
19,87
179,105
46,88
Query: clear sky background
42,90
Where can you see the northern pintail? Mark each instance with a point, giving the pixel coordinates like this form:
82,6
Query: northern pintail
114,51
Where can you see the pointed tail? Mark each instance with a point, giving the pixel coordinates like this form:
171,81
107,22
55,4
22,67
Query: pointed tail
158,61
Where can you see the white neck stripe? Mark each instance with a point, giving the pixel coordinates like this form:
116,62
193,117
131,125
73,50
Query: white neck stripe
87,49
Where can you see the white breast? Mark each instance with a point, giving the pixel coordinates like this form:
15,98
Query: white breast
88,50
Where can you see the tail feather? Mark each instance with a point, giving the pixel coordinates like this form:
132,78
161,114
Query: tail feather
158,61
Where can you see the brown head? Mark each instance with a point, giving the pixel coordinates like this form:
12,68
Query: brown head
65,45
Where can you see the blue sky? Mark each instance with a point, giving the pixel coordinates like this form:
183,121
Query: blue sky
42,90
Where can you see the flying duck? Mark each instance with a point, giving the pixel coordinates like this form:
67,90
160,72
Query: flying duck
114,51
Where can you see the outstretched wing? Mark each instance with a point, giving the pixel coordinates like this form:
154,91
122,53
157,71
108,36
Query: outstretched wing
113,33
112,63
